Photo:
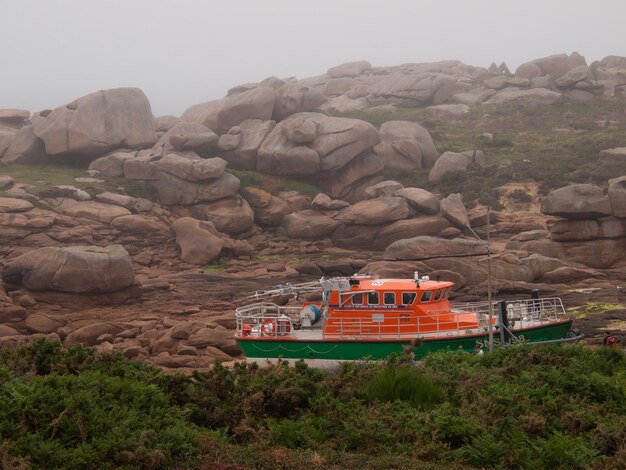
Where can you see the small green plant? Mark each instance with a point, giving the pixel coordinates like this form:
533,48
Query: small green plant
406,384
519,195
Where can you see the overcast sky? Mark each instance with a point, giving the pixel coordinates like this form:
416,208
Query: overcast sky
185,52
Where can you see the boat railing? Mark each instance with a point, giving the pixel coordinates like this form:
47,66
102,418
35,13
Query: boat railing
524,310
266,319
271,320
461,319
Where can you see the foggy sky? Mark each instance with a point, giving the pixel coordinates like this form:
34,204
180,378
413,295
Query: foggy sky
185,52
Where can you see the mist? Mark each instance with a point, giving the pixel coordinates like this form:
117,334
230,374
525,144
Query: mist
186,52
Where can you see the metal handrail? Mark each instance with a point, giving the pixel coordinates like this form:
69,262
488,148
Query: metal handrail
446,322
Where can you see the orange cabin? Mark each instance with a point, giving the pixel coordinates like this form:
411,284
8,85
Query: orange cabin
392,307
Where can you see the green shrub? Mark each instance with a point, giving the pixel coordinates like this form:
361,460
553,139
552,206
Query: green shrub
519,195
406,384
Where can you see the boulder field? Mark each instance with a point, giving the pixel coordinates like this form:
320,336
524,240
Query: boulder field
156,276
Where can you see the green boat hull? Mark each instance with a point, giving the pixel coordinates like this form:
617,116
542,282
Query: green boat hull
352,350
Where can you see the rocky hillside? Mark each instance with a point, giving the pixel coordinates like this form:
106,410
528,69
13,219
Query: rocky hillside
126,231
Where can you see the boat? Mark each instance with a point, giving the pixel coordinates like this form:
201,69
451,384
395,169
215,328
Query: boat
364,317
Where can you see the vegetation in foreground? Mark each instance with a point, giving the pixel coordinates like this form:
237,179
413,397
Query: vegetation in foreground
521,407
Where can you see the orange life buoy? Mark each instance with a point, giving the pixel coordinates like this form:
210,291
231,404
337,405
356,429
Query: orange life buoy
268,327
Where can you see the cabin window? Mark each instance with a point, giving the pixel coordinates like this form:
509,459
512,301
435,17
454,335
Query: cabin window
446,293
357,299
373,298
389,298
437,295
426,296
408,298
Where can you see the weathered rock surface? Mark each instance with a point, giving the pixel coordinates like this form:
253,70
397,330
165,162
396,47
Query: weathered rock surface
577,201
406,145
383,189
307,143
533,96
572,230
77,269
8,204
295,98
421,200
617,196
309,224
173,190
25,147
375,211
198,241
350,181
450,162
111,164
453,209
221,115
239,147
423,247
600,253
229,215
97,123
92,210
187,136
349,69
324,202
617,154
403,229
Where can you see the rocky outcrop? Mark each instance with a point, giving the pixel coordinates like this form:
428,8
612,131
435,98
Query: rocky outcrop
453,209
617,196
424,247
450,162
375,211
405,145
295,98
599,253
229,215
8,204
268,210
14,119
221,115
349,69
96,123
187,136
76,269
24,147
240,145
577,201
534,96
308,143
309,225
421,200
174,190
199,241
350,181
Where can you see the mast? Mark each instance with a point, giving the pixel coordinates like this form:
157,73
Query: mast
489,297
489,300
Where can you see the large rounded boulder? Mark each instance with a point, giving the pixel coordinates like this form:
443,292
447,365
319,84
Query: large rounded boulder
74,269
97,123
577,201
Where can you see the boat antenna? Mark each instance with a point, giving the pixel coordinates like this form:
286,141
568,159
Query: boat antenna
489,299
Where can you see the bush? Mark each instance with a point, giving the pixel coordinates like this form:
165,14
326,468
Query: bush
524,406
403,383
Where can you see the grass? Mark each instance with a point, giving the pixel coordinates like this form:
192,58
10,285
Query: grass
525,147
275,184
42,178
594,308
